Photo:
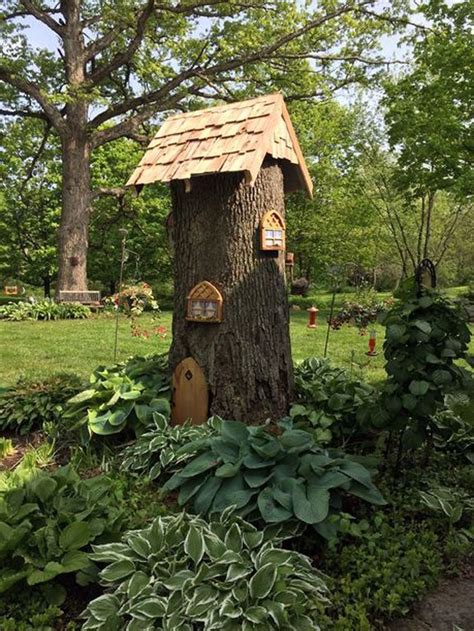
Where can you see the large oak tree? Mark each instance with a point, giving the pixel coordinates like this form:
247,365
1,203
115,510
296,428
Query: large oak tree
115,64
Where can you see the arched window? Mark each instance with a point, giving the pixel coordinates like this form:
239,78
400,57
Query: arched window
272,231
204,303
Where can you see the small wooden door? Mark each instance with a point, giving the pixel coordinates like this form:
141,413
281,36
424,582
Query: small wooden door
190,394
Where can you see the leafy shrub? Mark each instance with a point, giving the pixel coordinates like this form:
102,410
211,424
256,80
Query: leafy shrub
271,478
27,467
425,335
28,404
158,448
124,394
44,310
184,573
381,574
330,402
6,447
46,526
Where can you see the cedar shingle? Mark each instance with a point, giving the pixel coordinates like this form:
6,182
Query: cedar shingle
232,137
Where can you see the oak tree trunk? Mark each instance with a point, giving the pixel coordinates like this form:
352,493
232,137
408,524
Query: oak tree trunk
247,357
76,191
73,229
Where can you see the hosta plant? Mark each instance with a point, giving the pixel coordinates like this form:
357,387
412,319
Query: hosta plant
223,575
126,394
48,524
330,402
29,403
158,448
44,310
271,478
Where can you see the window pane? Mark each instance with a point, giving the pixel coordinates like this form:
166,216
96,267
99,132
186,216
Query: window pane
278,234
210,309
197,308
269,234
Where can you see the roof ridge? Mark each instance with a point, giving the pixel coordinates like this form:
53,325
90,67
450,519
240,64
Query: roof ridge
240,104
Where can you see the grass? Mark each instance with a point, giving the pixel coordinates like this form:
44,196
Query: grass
39,349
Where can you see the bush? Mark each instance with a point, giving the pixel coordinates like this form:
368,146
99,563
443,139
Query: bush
158,448
425,335
184,573
127,393
27,405
44,310
330,403
382,574
48,524
271,478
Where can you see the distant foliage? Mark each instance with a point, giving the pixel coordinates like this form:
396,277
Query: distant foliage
30,403
271,478
330,403
425,337
362,311
44,310
185,573
47,525
124,395
159,447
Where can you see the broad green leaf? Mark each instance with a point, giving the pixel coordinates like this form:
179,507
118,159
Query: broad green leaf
117,571
262,581
194,544
75,536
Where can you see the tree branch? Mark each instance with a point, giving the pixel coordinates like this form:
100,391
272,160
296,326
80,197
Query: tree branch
32,90
125,56
43,16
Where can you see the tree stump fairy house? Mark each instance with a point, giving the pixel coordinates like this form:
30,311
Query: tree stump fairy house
229,168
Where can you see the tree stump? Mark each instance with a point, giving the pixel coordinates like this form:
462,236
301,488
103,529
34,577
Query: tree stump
246,358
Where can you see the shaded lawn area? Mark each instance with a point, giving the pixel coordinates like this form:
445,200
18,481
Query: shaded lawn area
39,349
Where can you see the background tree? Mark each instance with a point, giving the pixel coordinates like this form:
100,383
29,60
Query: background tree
429,123
30,175
120,63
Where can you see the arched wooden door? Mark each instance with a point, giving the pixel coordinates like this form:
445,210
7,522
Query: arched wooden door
190,394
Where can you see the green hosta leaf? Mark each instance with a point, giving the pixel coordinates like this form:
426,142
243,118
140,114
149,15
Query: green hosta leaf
75,536
74,561
311,508
154,607
227,470
117,571
194,544
256,614
271,511
162,406
261,583
234,432
137,583
371,495
206,494
85,395
233,538
199,465
131,395
104,607
50,571
257,477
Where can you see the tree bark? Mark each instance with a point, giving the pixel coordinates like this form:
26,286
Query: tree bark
247,357
74,225
76,185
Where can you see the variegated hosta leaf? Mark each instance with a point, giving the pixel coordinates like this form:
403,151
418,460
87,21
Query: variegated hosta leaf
185,573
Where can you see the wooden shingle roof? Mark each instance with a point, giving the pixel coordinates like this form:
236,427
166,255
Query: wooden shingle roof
232,137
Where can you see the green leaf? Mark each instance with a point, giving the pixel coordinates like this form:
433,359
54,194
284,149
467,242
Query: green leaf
200,464
423,326
104,607
85,395
75,536
117,571
311,508
194,544
154,607
261,583
419,388
271,511
43,487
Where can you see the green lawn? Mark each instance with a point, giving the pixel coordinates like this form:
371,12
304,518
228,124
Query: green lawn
38,349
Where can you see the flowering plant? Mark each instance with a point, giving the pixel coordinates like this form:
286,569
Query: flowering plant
133,300
361,312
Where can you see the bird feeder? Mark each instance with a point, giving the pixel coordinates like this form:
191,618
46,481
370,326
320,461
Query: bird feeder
312,317
229,168
372,342
204,304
